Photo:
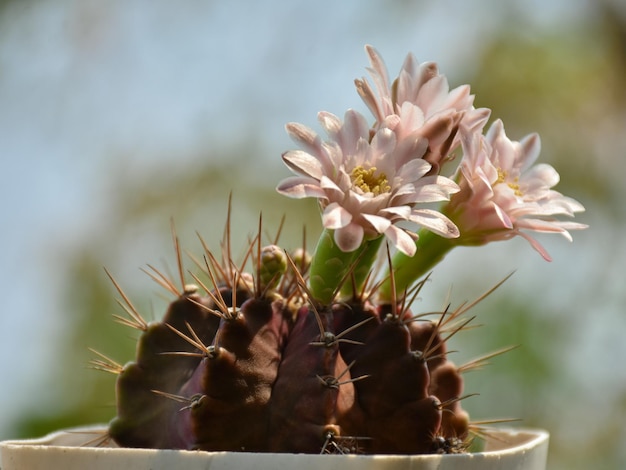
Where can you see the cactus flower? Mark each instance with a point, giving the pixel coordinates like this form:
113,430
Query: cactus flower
365,187
420,102
503,194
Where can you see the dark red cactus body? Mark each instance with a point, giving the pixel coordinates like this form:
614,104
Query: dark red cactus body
145,419
447,385
239,376
425,337
394,396
304,399
274,374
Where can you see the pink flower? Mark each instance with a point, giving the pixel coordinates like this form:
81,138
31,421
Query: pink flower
420,102
366,184
503,194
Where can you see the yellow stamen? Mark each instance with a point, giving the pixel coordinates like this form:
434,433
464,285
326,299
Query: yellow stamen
514,185
370,182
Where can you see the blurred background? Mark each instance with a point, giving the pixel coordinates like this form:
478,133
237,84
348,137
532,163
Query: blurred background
118,117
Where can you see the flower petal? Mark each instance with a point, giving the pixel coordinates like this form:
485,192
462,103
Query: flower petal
331,189
299,187
349,238
435,222
413,170
303,163
397,212
380,224
335,216
540,176
311,142
401,240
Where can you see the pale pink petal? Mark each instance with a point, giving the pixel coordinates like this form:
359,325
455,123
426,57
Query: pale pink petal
335,216
411,148
383,143
439,127
439,190
379,223
547,226
459,98
405,196
411,79
425,72
530,148
378,101
432,94
303,163
368,96
300,187
572,205
401,240
304,136
414,169
502,218
474,120
572,225
331,188
349,238
494,131
551,205
410,118
540,176
378,69
435,222
331,123
536,245
345,134
355,126
398,212
311,142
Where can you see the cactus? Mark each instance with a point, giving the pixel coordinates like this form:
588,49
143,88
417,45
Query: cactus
321,353
254,363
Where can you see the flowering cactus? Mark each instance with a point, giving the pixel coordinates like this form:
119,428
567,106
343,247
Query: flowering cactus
291,352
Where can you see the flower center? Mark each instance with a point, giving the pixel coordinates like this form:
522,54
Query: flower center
514,184
370,182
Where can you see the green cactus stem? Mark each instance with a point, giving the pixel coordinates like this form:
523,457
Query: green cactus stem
334,270
431,249
329,268
362,269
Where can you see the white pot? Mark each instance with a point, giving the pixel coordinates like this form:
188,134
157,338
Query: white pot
522,449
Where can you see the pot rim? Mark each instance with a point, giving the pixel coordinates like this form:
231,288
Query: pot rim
496,442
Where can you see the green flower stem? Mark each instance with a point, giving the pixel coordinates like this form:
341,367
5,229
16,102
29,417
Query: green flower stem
431,249
365,258
328,267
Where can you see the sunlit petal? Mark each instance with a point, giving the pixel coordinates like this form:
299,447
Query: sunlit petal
335,216
350,237
299,187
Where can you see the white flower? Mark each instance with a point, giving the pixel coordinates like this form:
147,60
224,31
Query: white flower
502,193
420,102
366,184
